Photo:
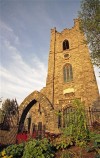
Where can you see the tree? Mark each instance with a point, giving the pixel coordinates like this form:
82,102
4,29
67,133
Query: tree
8,112
89,16
9,106
1,116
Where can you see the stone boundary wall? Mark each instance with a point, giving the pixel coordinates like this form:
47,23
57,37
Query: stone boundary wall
8,137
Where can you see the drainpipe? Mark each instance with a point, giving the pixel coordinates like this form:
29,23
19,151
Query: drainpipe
54,66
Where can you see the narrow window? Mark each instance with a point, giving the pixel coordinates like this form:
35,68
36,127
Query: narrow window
59,119
65,44
29,123
67,72
33,127
40,126
39,130
69,116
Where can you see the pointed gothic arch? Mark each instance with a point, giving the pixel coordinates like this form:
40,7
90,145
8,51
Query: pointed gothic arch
29,102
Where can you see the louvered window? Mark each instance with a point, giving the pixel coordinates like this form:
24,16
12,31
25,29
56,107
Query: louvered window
65,44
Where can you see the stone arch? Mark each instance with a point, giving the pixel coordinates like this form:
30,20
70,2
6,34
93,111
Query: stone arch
29,102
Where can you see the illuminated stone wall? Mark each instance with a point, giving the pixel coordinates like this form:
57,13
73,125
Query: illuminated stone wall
61,94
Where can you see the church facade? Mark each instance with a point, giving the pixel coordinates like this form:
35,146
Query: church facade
70,76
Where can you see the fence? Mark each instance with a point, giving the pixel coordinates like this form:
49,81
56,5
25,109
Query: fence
93,115
70,115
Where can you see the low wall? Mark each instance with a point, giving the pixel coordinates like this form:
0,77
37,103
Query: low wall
8,137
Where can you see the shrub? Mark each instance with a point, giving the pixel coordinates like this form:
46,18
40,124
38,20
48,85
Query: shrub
68,154
77,127
63,142
38,149
4,155
14,151
95,138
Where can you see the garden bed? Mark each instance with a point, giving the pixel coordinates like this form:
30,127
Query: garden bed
75,152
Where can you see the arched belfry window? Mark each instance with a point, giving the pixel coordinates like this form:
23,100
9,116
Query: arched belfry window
65,44
67,73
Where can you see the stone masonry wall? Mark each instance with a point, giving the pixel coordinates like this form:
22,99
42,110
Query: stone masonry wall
84,82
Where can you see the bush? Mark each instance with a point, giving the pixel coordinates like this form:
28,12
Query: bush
31,149
4,155
77,127
14,151
68,154
38,149
95,138
64,142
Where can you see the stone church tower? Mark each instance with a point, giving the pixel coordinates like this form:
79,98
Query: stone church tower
70,71
70,76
